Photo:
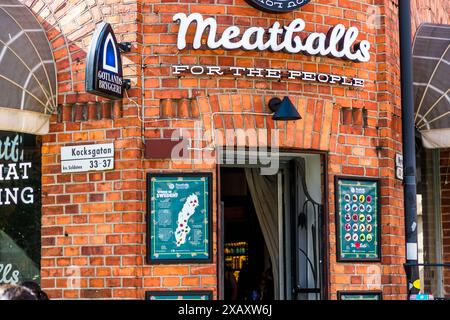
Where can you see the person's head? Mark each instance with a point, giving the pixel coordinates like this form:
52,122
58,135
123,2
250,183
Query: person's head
36,289
14,292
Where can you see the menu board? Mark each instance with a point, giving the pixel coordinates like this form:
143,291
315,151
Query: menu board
179,218
359,295
357,219
178,295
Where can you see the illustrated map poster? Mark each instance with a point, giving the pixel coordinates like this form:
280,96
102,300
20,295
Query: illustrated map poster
179,218
354,295
357,219
178,295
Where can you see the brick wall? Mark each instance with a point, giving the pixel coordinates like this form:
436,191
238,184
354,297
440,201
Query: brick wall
431,11
94,223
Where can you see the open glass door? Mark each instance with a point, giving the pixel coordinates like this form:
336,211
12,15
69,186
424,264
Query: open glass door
306,230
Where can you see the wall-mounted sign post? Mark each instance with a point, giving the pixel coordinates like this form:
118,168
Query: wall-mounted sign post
399,166
104,64
357,219
94,157
179,218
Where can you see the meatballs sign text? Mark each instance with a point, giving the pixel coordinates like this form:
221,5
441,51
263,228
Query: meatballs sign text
339,42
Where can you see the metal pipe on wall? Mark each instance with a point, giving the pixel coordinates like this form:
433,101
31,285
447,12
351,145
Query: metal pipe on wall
409,149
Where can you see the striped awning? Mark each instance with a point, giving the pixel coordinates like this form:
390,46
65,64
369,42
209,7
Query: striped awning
431,63
28,89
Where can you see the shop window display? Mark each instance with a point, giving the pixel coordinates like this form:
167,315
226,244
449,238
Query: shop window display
20,207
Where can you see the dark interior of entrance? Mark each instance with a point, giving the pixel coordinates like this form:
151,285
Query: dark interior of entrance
247,263
272,231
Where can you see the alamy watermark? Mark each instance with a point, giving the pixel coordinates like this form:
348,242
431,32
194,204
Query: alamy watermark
259,147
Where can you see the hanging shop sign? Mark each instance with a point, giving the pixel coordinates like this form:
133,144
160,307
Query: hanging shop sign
179,218
359,295
178,295
357,219
278,6
94,157
104,65
339,42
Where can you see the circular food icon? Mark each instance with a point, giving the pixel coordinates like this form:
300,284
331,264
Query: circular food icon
362,228
347,237
362,208
369,218
369,228
362,217
362,237
355,237
355,198
347,207
348,217
355,217
369,238
369,199
347,197
355,227
347,227
362,198
355,207
369,208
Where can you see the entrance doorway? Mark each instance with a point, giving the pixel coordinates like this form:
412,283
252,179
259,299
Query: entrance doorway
272,230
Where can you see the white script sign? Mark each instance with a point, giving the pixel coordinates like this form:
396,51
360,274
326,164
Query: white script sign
94,157
8,275
339,42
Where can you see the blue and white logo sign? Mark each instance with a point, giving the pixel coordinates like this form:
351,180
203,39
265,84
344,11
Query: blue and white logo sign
104,65
278,6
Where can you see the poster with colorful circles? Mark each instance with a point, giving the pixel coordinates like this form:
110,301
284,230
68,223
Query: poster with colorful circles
357,219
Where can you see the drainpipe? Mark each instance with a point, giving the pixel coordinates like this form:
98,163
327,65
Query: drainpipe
409,148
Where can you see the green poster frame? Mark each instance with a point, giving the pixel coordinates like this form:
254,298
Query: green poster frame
149,220
178,293
377,294
340,255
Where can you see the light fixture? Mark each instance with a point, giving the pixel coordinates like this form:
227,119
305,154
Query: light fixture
284,110
126,84
125,46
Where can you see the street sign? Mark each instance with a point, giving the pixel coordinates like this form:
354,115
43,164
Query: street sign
83,158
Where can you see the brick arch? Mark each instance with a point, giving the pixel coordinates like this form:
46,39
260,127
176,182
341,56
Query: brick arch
431,11
239,111
69,26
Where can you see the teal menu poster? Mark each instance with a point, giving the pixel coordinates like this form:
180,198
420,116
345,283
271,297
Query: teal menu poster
359,295
178,295
179,218
357,219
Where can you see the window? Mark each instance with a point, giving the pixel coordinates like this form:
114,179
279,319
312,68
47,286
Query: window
20,207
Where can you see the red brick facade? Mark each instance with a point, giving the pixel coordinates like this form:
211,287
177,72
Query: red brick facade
93,224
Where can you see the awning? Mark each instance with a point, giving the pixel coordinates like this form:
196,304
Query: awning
28,91
431,61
